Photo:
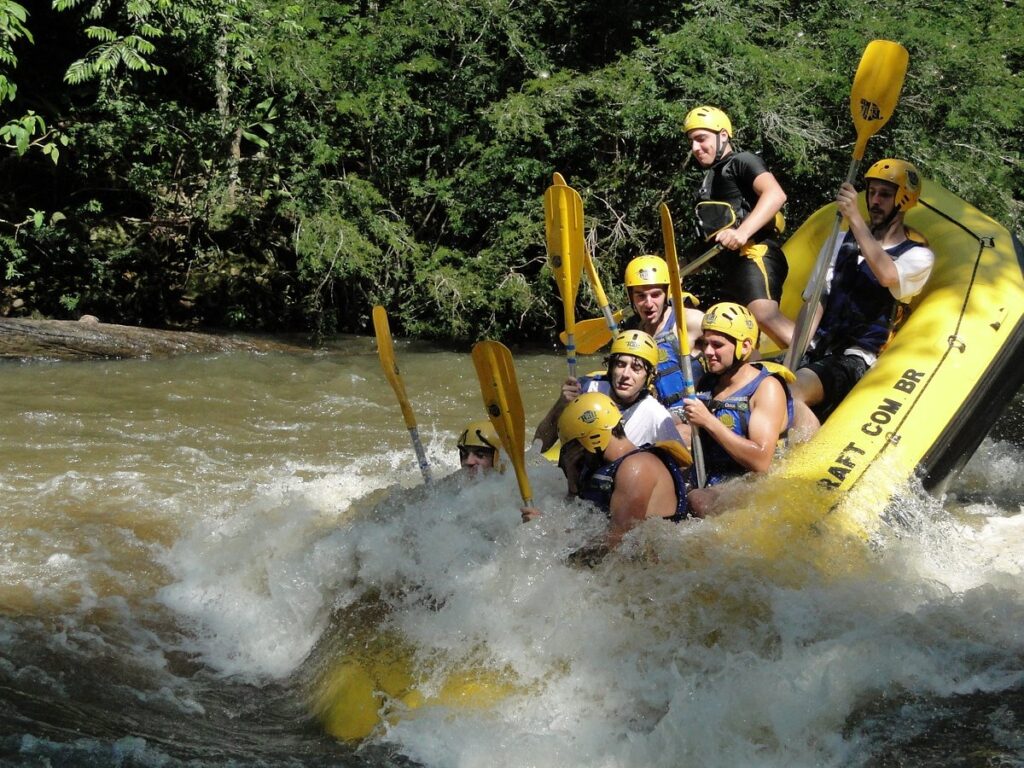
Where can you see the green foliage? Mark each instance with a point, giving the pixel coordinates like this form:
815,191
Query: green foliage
280,165
13,27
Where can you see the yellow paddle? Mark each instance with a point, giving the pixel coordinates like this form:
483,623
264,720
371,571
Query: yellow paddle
386,352
500,390
876,89
611,320
668,235
563,224
593,333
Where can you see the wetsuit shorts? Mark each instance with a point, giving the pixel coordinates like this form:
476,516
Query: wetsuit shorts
749,279
838,374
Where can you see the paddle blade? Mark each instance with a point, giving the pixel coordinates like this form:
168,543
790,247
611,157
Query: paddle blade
558,179
563,226
876,89
499,388
592,334
386,353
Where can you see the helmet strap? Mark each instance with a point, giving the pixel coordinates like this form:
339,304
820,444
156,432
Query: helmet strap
736,362
719,147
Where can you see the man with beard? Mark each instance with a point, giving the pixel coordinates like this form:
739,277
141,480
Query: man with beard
627,380
878,267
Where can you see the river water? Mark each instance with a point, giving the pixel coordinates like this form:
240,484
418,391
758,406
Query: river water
187,542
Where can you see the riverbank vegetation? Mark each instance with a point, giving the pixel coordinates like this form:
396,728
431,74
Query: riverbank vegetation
278,166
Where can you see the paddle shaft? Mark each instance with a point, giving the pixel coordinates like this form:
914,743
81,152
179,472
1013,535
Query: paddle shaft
568,294
386,353
682,335
692,266
602,299
876,89
805,325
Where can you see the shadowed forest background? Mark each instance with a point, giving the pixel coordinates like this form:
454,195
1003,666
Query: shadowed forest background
283,166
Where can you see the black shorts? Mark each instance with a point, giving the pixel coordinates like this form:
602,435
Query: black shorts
838,374
749,279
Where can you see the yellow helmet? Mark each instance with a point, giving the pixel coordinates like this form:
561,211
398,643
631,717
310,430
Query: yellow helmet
646,270
481,434
904,175
590,418
733,320
709,118
638,344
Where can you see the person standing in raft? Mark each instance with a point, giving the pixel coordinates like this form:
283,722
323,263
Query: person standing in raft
878,267
646,281
479,448
742,408
627,381
753,264
602,465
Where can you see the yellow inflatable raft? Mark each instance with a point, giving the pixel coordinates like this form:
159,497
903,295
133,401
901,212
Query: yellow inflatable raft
923,408
947,375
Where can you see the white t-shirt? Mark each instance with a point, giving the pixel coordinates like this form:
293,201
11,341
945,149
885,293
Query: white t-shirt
646,421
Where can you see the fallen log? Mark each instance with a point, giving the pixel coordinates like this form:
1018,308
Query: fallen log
26,339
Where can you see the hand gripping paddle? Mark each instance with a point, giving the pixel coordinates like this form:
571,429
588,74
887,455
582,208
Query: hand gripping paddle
876,89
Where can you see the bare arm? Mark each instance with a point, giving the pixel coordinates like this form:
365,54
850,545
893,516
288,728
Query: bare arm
878,260
547,430
767,418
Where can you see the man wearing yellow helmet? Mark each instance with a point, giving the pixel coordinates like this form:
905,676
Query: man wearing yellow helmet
602,465
878,266
753,263
646,281
631,364
479,448
743,407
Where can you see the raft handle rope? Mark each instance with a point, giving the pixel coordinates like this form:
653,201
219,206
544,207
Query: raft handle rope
983,242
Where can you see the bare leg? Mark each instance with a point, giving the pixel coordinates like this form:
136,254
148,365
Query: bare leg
807,391
805,424
772,322
693,319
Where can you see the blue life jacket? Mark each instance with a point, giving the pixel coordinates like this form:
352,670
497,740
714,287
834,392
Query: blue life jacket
668,377
734,412
859,311
599,485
